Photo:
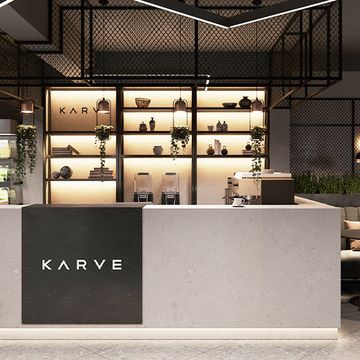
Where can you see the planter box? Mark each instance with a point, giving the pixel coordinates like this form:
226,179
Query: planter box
337,200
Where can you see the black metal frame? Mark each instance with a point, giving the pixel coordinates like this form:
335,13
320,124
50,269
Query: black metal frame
299,73
350,121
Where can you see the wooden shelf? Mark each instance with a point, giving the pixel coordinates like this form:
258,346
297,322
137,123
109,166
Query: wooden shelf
223,133
227,156
79,157
154,156
65,180
222,109
147,133
151,109
66,133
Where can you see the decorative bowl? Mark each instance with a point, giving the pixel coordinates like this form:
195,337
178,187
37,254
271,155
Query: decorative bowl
229,105
142,103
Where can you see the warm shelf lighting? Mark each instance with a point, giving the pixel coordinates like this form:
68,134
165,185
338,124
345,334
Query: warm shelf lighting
27,106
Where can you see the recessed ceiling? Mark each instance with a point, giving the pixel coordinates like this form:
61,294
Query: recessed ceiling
258,14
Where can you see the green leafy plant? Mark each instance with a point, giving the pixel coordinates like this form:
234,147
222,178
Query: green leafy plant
102,135
26,150
180,137
327,184
257,139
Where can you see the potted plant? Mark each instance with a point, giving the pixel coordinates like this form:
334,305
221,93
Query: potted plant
257,138
180,137
102,135
338,190
26,150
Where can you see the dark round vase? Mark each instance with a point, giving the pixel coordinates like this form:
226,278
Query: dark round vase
66,172
245,103
55,175
210,150
248,147
224,151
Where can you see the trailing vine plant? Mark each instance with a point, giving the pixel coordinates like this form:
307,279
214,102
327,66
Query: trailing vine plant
26,150
102,135
257,138
180,137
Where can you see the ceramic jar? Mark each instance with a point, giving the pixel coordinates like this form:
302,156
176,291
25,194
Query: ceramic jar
66,172
245,103
158,150
210,150
219,127
142,127
224,126
224,151
152,124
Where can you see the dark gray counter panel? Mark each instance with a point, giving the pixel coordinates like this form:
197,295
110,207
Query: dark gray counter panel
65,279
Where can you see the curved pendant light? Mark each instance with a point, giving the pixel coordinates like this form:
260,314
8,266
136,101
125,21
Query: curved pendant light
180,105
103,106
257,106
27,106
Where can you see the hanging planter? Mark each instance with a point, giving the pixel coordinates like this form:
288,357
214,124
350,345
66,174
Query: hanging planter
26,150
257,139
102,135
180,137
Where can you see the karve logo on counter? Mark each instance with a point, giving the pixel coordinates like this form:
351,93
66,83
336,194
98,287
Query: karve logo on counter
82,265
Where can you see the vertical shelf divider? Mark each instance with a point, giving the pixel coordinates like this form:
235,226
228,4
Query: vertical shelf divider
120,144
194,146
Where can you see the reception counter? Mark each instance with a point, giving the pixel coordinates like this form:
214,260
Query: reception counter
180,272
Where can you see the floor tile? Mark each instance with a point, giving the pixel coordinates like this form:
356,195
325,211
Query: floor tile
344,349
44,350
141,350
204,346
266,350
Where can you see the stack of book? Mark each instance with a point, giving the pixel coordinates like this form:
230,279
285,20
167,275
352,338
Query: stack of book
64,151
105,174
248,152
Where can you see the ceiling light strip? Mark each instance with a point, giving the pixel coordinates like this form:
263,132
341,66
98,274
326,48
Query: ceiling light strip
3,3
186,10
263,13
272,11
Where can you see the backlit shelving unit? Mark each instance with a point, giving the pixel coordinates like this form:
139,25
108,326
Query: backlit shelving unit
71,120
202,177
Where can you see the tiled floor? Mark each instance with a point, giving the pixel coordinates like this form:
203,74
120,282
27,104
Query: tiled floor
346,348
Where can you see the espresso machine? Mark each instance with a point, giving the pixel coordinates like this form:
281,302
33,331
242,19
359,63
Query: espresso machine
267,188
143,187
170,194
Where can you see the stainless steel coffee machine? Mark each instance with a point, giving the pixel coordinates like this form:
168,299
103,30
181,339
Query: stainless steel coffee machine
268,188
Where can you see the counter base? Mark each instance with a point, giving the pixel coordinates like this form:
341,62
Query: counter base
166,334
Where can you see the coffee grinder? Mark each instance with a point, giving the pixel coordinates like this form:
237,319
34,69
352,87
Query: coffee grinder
143,188
170,194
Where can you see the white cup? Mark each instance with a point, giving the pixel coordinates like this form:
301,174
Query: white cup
238,202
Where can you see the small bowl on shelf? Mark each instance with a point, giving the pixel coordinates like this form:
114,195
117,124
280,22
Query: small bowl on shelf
229,105
142,103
